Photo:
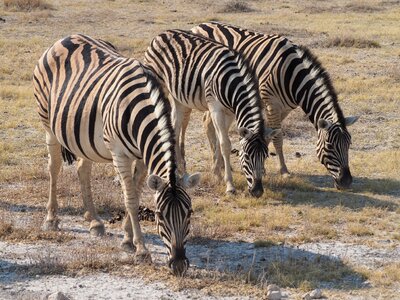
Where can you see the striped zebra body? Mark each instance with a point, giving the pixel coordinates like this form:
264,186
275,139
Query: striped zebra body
200,74
99,106
290,76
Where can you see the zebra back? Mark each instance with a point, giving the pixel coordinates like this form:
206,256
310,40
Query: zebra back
194,68
285,71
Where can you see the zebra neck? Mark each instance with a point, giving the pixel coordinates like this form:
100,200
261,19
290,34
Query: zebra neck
160,161
319,103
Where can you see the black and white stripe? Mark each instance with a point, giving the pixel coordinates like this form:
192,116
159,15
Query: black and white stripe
198,73
290,76
99,106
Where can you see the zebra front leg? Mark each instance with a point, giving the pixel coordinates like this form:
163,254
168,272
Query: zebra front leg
139,175
131,196
221,124
54,166
217,161
84,168
278,145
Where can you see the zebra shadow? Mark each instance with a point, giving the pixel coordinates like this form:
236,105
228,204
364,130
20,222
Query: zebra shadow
320,192
320,265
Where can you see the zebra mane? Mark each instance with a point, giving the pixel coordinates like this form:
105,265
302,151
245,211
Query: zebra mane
250,78
320,72
245,70
162,110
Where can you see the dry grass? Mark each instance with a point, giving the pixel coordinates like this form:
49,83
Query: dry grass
236,7
297,210
384,276
9,232
26,5
351,42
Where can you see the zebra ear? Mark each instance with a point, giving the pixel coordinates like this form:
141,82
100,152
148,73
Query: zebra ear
190,181
324,124
155,183
270,133
245,133
351,120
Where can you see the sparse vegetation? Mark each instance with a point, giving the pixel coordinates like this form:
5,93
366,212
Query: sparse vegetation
302,209
26,5
350,42
236,7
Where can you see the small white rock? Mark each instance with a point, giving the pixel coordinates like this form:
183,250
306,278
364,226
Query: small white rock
306,296
57,296
274,295
272,287
316,294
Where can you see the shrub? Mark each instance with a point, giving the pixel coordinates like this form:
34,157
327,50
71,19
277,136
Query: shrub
236,7
26,5
350,42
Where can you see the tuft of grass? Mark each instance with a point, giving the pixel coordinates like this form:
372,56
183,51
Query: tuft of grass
26,5
30,234
306,273
351,42
359,230
386,276
236,7
263,243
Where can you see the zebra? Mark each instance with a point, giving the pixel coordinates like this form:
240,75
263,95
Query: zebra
290,76
98,106
198,73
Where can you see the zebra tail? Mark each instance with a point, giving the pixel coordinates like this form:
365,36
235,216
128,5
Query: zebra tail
68,156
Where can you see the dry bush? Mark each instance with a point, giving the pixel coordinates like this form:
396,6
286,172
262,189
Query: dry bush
236,7
26,5
362,8
394,73
350,42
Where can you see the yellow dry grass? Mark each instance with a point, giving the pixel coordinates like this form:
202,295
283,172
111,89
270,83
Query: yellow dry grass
301,209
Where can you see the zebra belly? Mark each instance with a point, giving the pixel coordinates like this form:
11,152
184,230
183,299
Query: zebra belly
197,101
86,142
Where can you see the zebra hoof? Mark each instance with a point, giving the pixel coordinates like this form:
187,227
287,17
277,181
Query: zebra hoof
286,175
231,192
51,225
127,246
87,216
143,258
97,229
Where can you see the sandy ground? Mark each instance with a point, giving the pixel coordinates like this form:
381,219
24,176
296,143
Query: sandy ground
210,255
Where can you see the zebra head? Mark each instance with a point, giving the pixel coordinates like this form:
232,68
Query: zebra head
253,152
173,211
333,150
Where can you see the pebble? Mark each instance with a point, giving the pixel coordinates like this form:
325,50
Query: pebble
272,287
306,296
274,295
316,294
57,296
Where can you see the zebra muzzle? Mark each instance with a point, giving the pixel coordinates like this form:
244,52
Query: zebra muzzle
257,189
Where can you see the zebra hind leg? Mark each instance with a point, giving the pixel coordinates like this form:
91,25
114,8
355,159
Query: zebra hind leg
278,145
54,166
84,168
217,161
